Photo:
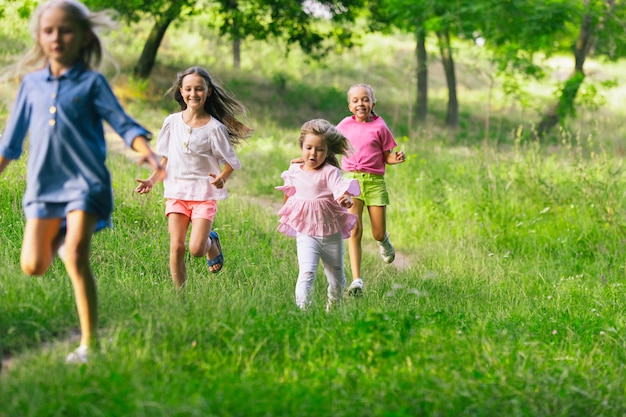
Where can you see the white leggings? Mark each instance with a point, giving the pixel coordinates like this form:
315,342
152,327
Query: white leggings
310,250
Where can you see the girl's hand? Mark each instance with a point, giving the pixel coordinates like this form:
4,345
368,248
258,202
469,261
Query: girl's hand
400,157
392,158
153,161
345,201
144,186
218,182
297,160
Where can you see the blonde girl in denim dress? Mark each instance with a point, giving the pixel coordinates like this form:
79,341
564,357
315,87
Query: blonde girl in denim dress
62,104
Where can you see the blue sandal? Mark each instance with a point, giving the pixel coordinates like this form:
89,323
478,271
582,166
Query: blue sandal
219,259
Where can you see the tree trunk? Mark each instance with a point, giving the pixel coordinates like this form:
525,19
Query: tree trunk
422,76
237,53
565,105
148,55
445,49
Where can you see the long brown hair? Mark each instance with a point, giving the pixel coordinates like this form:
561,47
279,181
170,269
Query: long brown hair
219,104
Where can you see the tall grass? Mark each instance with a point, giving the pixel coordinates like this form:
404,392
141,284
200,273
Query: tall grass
509,301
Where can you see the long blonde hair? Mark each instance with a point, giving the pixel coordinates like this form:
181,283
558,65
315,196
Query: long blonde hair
88,21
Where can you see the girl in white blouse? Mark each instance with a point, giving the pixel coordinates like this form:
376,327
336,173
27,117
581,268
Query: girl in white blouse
197,150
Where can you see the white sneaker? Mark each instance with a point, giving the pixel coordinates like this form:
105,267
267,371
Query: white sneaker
356,288
61,252
78,356
387,252
331,305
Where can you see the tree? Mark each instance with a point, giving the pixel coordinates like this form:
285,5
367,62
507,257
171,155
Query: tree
308,23
164,12
446,20
447,60
239,20
596,17
421,110
147,59
409,16
517,30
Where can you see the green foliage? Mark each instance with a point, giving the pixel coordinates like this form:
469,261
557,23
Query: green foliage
309,28
610,40
14,34
505,299
135,10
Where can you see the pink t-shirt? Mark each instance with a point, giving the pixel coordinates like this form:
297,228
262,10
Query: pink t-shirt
312,206
370,140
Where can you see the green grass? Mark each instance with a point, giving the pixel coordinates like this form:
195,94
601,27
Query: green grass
510,303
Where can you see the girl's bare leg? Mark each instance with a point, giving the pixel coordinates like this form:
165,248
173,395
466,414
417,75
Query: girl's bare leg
379,232
177,225
80,229
354,241
378,220
39,245
199,243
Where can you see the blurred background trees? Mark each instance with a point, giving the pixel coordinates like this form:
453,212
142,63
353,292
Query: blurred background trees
515,35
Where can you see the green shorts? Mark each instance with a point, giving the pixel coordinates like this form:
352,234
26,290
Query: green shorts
373,188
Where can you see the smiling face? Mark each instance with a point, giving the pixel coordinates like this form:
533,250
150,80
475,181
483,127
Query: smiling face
314,151
361,103
194,91
61,39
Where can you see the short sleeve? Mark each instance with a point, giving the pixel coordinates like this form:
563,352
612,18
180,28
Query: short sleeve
340,185
163,141
288,187
386,137
223,149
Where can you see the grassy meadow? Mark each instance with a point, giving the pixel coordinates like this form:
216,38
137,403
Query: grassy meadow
506,299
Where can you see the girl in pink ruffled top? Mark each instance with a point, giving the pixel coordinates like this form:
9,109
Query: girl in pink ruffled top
314,210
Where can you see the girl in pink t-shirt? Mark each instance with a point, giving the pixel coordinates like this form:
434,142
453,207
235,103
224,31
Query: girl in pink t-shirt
316,195
373,144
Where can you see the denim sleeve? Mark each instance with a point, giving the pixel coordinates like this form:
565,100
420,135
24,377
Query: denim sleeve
110,109
12,139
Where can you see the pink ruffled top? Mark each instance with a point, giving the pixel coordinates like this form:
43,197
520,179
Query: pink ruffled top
312,206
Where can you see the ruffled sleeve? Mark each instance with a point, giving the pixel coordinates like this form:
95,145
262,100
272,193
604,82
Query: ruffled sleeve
340,185
288,188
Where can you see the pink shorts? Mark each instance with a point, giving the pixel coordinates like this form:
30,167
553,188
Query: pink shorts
192,209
